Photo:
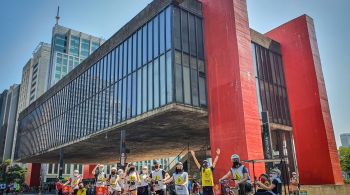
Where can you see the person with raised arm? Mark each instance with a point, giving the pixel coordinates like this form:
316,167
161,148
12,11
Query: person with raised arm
207,173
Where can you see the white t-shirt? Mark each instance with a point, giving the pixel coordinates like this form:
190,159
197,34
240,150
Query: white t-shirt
113,182
74,181
143,178
179,179
101,180
157,176
131,181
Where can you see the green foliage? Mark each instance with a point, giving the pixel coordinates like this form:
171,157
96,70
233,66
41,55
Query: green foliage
13,173
344,157
16,174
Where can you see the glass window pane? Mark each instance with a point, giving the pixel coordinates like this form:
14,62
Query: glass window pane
184,31
202,91
162,80
150,40
129,55
186,77
169,72
156,83
192,34
125,59
199,28
139,48
129,98
178,77
119,113
121,61
155,37
194,82
85,48
74,45
150,86
134,51
139,91
124,93
162,32
144,89
144,44
134,94
168,28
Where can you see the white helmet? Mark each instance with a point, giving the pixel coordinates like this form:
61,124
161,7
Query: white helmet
235,156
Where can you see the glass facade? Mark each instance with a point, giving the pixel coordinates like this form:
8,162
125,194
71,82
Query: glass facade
149,69
69,50
272,97
271,87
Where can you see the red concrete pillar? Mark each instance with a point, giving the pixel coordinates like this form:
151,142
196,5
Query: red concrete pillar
33,174
316,151
234,121
87,171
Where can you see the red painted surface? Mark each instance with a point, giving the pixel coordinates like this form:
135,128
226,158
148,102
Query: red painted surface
33,174
316,151
232,101
87,171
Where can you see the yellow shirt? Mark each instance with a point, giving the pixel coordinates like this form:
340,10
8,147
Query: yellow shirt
81,191
207,177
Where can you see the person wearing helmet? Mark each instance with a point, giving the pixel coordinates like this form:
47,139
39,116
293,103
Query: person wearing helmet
275,187
121,180
181,180
158,176
144,180
207,173
240,174
100,176
131,179
114,187
74,181
294,184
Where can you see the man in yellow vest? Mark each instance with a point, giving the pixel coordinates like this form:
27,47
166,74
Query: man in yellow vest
207,173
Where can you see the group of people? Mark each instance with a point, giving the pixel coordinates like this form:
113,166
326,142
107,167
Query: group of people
145,182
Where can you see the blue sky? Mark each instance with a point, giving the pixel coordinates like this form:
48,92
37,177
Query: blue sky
26,23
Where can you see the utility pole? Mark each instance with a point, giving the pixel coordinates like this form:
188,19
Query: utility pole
61,164
122,148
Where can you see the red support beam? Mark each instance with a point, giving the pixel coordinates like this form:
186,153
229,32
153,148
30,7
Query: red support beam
33,174
234,121
87,171
316,150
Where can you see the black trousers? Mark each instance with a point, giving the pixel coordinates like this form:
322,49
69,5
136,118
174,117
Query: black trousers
160,192
208,190
143,190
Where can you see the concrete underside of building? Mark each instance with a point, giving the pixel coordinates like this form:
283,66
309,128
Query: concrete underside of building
161,133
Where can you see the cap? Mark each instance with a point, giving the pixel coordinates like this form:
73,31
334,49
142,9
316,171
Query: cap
179,163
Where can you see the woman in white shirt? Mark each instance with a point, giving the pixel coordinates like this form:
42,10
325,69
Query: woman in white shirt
144,181
181,180
131,179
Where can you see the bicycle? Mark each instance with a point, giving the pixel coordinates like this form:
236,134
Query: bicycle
227,189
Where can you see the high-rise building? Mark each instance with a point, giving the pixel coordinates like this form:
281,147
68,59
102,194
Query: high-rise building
69,48
40,64
8,113
345,139
23,101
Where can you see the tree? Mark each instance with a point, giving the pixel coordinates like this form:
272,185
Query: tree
12,174
344,157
